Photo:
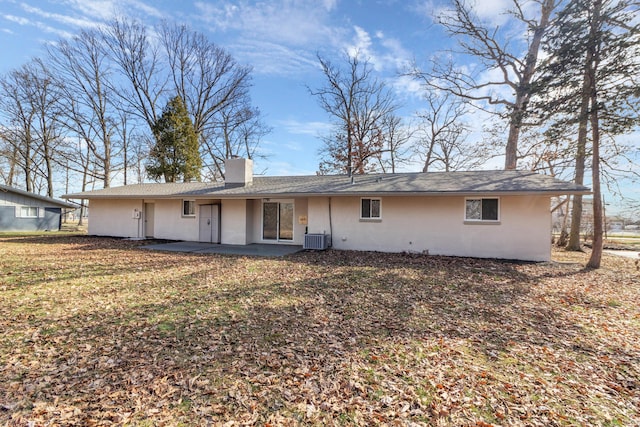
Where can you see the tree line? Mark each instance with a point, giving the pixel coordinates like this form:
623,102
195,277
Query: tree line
560,78
103,103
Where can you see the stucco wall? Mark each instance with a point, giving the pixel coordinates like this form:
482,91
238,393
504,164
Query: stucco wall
413,224
113,217
436,225
233,222
168,222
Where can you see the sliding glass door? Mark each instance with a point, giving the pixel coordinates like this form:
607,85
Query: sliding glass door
277,221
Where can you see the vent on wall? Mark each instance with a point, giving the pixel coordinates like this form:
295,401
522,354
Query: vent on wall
316,241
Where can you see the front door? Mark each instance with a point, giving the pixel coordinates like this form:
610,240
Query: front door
277,221
209,224
148,220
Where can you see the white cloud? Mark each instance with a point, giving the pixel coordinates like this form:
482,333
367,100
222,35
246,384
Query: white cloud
329,5
81,22
105,10
408,87
361,46
271,58
82,14
277,37
284,168
492,11
37,24
383,53
305,128
292,23
17,19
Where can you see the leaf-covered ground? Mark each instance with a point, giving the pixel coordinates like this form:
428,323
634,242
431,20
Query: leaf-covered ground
95,331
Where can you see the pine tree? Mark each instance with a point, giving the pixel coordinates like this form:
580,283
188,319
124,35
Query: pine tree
175,155
589,82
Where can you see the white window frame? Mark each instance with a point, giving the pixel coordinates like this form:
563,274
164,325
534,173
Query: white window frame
371,217
25,212
192,210
481,219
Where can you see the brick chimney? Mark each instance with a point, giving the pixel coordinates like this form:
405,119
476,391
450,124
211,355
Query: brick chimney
238,172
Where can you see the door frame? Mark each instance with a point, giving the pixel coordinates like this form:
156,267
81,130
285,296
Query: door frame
278,202
149,209
215,225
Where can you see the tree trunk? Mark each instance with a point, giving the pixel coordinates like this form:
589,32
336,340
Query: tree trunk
523,90
511,151
598,225
576,212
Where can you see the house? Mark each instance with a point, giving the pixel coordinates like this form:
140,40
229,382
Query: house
492,214
24,211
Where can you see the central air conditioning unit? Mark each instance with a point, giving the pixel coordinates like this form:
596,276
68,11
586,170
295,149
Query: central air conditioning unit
318,242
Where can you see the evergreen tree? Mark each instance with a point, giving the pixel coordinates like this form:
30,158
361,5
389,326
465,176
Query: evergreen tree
175,155
589,82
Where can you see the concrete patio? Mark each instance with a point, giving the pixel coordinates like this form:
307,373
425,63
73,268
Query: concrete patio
212,248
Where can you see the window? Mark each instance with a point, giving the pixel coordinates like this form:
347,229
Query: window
370,209
28,212
481,210
188,208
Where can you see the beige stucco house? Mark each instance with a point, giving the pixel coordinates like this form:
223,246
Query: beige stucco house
487,214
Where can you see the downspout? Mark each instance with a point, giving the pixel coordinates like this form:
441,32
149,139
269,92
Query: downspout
330,225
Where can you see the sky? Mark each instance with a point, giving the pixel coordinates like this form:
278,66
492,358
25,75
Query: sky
279,39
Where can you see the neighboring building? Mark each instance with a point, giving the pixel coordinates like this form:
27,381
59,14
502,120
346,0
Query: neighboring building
24,211
490,214
561,217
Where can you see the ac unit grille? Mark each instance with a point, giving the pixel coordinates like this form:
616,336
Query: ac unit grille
316,241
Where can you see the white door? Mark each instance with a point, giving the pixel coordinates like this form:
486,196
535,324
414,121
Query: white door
148,220
209,223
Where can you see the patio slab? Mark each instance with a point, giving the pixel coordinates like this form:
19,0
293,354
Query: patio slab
626,254
255,249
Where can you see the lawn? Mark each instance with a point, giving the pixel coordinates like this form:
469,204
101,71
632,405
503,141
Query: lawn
96,331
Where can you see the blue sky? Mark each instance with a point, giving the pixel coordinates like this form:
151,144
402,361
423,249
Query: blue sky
279,39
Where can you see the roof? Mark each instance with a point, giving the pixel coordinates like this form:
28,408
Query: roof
498,182
49,200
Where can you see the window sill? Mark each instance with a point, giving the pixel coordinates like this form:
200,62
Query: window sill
481,222
370,219
188,216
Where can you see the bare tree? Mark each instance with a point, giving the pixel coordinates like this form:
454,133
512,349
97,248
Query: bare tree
138,60
593,59
204,74
359,105
214,87
237,132
493,49
8,158
442,128
216,91
396,137
31,134
87,101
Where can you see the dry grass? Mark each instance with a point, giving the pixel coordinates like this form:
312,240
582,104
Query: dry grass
95,331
